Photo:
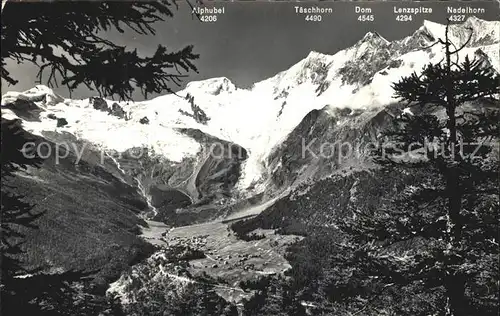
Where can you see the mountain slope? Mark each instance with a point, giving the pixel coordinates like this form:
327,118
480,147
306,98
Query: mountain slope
216,151
164,146
90,221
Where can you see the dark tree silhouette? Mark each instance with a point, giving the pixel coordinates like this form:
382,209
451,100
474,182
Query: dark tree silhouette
438,241
198,114
65,39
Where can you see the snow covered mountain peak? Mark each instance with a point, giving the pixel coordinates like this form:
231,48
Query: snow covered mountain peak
482,32
35,94
356,65
371,44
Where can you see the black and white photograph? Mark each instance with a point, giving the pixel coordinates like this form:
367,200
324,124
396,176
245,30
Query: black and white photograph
250,158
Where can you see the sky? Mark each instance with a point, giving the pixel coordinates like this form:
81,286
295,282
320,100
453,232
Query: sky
253,40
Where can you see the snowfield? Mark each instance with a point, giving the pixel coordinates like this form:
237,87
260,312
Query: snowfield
260,118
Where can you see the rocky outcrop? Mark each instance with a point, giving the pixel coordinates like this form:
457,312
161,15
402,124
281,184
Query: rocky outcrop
198,114
220,164
117,111
325,141
189,190
61,121
372,54
99,104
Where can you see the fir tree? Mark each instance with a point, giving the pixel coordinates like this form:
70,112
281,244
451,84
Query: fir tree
434,249
65,39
